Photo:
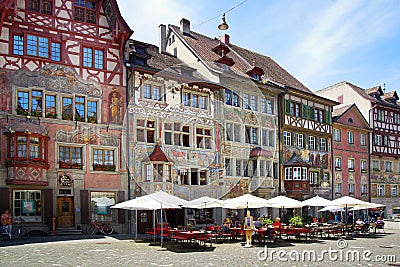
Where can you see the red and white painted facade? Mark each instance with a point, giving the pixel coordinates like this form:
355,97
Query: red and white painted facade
350,153
62,89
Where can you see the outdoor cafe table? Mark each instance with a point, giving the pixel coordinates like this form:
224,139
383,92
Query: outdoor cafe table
266,233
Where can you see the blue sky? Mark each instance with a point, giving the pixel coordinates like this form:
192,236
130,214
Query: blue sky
320,42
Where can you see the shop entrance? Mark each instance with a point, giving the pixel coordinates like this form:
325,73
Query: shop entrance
65,211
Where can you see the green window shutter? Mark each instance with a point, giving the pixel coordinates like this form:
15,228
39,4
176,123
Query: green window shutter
311,113
304,111
328,117
287,106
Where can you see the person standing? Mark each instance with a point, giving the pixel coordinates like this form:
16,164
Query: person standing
6,221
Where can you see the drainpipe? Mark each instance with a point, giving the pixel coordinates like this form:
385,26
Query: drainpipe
281,111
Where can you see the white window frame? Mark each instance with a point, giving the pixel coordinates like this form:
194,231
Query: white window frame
322,144
381,190
287,138
338,162
363,165
388,166
350,137
337,135
351,165
311,142
288,174
300,140
363,140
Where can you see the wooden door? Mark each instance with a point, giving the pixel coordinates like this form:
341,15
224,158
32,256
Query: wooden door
65,211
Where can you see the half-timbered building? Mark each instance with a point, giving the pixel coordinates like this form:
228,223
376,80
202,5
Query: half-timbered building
306,134
62,92
382,111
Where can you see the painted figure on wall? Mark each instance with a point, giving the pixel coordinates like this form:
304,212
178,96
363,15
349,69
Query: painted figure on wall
115,106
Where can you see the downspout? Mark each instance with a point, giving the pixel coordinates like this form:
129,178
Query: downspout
281,111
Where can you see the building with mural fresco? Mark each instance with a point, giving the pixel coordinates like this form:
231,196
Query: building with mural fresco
350,152
175,138
253,84
306,151
382,111
62,93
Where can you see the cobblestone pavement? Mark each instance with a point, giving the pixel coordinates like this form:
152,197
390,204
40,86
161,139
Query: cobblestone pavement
120,250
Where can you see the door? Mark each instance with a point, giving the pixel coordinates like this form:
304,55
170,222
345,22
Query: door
65,211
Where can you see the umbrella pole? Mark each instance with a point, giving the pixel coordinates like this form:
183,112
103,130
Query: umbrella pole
154,225
135,224
161,226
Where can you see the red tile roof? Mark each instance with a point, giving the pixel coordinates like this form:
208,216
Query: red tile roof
243,58
157,155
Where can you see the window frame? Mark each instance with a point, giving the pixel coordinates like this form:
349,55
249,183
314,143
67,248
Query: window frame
287,138
86,11
337,135
149,129
93,60
350,137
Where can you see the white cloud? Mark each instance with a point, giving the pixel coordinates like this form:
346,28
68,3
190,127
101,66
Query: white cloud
144,17
342,28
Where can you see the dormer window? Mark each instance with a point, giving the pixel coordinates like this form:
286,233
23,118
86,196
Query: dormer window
140,50
255,76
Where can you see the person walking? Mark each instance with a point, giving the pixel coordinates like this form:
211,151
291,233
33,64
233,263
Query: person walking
6,221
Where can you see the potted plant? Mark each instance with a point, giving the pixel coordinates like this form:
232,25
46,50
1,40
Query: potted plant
267,221
296,221
67,117
92,119
78,118
21,111
36,113
64,165
51,115
76,165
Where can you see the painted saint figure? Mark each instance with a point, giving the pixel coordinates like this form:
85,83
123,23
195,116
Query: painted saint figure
115,107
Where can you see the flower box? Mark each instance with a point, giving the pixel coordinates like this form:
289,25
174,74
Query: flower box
51,115
67,117
21,111
92,119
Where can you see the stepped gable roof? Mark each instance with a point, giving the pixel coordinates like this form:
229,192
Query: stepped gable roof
391,95
376,89
203,47
157,155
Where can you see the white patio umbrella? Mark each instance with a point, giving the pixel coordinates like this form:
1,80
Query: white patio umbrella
155,201
205,202
332,209
245,201
367,205
346,202
284,202
317,201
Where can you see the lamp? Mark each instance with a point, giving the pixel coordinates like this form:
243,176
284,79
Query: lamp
223,26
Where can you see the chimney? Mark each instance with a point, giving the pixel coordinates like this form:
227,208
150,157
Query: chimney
225,39
185,26
162,39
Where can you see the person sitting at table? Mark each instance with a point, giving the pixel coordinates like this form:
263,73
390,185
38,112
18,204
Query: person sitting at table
258,224
379,222
360,222
277,223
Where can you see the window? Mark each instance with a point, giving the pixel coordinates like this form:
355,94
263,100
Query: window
363,140
388,166
351,188
203,138
314,177
92,111
378,139
311,142
381,190
363,165
350,163
268,137
322,144
350,137
153,92
338,163
262,168
103,159
37,100
364,189
145,130
251,135
267,106
394,191
50,106
228,167
27,204
296,173
253,102
148,172
381,115
338,189
337,135
41,6
287,138
195,100
231,98
67,108
69,156
375,165
79,108
85,11
18,45
396,118
233,132
318,115
240,167
288,174
299,140
295,109
246,101
176,134
101,211
37,46
93,58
